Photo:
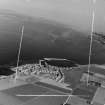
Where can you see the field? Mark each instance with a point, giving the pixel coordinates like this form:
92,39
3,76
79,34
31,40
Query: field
11,96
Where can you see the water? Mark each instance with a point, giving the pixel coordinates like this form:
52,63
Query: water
40,42
6,71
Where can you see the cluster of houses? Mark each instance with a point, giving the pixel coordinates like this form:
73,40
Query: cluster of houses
51,72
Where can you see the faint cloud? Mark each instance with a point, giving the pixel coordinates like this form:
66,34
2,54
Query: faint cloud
28,0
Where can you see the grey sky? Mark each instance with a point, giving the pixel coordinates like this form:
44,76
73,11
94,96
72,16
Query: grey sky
76,13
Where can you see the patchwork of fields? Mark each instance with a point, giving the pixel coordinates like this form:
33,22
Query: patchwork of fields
11,96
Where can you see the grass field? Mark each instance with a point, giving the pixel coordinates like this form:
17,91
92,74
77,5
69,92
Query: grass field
47,101
9,96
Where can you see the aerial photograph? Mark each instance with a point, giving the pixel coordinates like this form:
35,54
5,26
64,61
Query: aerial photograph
52,52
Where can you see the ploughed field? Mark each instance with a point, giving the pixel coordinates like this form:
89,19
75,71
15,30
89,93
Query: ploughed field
11,95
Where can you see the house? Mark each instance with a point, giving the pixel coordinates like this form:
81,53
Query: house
95,76
92,79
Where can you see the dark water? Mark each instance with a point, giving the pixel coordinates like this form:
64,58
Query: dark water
33,51
60,63
44,40
6,71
